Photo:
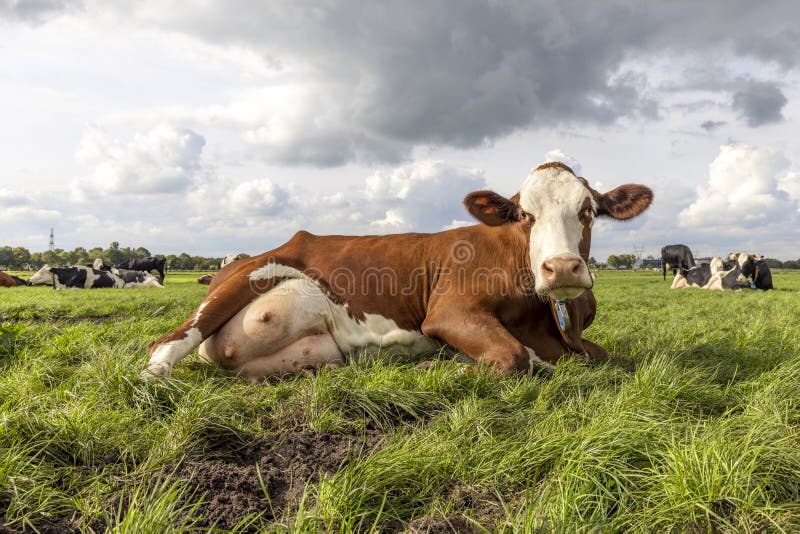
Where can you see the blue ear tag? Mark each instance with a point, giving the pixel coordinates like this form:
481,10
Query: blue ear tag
563,315
752,285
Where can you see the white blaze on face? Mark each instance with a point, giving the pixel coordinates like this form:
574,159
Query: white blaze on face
42,276
554,197
742,258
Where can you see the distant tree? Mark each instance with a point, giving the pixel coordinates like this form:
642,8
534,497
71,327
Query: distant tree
792,264
96,252
773,263
113,254
6,256
627,259
621,260
592,261
21,256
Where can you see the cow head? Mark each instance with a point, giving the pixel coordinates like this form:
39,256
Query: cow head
558,209
41,277
748,267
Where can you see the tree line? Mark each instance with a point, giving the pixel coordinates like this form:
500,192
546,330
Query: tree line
20,258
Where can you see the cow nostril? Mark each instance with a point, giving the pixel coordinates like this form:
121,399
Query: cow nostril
547,268
576,268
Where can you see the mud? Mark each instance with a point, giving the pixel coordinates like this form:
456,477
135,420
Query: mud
440,524
235,484
471,510
56,526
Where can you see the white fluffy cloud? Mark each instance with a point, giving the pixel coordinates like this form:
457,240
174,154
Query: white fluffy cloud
164,159
420,196
742,187
558,155
425,195
790,184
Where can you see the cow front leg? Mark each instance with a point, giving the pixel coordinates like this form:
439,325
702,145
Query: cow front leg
482,337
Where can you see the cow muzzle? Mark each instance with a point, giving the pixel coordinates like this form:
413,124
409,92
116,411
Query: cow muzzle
563,277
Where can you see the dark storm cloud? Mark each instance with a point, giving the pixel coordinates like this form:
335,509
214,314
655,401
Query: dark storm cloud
460,72
712,125
759,102
34,11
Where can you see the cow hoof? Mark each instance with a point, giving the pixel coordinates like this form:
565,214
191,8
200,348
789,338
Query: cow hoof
155,371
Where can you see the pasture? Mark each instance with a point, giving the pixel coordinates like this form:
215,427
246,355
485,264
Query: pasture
692,425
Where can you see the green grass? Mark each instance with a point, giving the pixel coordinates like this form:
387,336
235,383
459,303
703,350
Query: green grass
692,425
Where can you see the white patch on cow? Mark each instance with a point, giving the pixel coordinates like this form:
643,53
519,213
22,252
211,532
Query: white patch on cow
374,331
91,276
679,282
168,354
717,265
554,197
42,277
535,361
199,312
150,281
715,282
230,258
743,258
275,270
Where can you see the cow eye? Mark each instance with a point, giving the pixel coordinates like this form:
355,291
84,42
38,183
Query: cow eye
525,216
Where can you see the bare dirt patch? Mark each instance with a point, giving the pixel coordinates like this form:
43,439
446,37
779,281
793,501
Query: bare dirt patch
235,486
56,526
440,524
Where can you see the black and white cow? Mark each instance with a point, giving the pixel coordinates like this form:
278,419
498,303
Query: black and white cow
731,278
153,263
757,273
42,277
229,258
699,275
676,257
136,278
80,277
100,265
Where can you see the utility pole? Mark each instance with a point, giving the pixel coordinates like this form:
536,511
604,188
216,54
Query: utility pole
52,241
638,250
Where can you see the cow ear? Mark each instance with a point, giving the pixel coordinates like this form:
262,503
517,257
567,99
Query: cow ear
624,202
493,209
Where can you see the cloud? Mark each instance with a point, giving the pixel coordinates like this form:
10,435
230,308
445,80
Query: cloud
370,84
710,125
421,196
759,102
790,184
425,195
35,11
164,159
557,155
742,190
9,199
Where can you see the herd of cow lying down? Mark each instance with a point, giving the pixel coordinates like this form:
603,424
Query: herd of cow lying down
131,274
742,271
513,292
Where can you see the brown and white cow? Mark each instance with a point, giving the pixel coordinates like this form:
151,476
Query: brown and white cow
493,291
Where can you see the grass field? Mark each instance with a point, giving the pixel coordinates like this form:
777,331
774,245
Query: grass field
692,425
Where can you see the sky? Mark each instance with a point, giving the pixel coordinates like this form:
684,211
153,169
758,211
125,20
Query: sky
225,126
